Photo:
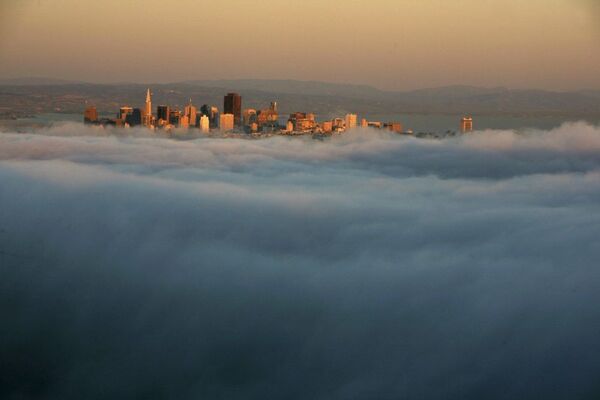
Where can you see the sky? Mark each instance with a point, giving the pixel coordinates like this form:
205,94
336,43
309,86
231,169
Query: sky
390,44
368,266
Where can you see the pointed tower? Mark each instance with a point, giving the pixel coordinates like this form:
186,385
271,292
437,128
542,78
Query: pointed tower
148,103
147,118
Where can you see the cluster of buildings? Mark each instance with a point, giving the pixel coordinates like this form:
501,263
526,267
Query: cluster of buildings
235,119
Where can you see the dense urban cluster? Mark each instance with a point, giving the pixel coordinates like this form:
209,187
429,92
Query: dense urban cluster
235,119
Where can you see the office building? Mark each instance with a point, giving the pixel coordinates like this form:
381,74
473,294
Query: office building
249,116
466,125
226,122
162,114
232,104
204,124
174,117
364,123
124,112
190,112
147,118
134,118
90,116
394,127
350,121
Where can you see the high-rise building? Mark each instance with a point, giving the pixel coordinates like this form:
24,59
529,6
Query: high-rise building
394,127
190,112
350,121
232,104
124,112
327,126
147,118
364,123
174,117
249,116
303,122
212,113
204,124
90,116
268,118
466,124
226,122
162,114
134,118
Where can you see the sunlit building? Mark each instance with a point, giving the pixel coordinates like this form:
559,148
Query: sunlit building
232,104
466,124
90,116
350,121
394,127
204,124
190,112
249,116
212,113
124,112
302,122
147,117
364,123
226,122
327,126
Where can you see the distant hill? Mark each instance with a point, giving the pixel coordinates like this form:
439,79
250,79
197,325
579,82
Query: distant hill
36,81
37,95
308,88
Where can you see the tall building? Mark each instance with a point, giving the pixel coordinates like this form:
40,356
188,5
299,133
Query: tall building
174,117
90,116
212,113
147,118
466,124
350,121
394,127
303,122
226,122
268,119
124,112
232,104
190,112
249,116
364,123
162,114
134,118
204,124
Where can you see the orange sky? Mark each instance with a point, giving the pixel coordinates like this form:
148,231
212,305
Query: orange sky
393,44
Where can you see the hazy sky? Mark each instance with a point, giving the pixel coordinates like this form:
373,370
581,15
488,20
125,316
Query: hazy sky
394,44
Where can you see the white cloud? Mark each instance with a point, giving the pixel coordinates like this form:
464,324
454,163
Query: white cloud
367,266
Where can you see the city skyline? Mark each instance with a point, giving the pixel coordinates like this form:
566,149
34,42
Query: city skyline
399,45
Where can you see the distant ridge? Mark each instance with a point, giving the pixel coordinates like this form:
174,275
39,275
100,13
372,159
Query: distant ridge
293,95
290,86
37,81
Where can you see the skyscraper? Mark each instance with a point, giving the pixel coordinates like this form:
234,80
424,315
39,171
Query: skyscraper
226,122
350,121
190,112
162,113
147,118
204,124
90,115
134,118
466,124
232,104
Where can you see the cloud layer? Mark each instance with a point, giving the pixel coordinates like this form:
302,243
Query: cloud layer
369,266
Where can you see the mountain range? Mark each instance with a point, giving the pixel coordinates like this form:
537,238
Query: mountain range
43,95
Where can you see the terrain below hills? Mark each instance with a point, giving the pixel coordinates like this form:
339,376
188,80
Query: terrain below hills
21,97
